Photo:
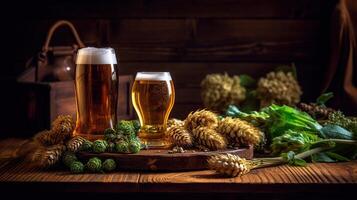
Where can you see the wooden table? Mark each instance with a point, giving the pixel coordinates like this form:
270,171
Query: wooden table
331,178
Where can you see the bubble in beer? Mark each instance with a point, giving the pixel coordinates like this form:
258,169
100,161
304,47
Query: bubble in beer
92,55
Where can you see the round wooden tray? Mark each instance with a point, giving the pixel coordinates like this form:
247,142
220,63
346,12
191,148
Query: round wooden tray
161,160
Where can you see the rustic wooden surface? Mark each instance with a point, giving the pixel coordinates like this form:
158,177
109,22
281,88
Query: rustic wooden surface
161,160
315,178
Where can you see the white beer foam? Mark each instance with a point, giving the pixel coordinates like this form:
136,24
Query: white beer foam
92,55
154,76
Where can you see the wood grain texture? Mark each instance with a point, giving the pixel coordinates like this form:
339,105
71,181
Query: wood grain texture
336,178
180,9
161,160
215,39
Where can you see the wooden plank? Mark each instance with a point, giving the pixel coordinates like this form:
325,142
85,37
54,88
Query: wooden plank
331,178
150,32
215,40
15,172
275,179
162,160
177,9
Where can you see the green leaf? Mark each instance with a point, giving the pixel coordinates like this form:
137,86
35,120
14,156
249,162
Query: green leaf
251,102
336,132
247,81
322,157
322,99
337,157
299,162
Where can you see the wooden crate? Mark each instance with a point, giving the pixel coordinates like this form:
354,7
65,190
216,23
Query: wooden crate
42,102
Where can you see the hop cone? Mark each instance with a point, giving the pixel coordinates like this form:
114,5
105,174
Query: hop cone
278,88
45,138
237,93
49,156
76,167
209,138
220,90
239,132
174,122
180,136
201,118
62,129
63,126
75,143
229,165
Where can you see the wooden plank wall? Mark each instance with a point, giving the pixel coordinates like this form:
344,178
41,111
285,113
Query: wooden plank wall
194,37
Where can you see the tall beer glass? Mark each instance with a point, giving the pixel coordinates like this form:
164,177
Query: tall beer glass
96,86
153,97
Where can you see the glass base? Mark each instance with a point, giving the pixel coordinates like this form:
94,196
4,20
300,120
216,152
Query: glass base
156,143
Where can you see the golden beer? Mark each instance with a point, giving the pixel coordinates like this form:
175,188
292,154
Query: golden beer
96,86
153,97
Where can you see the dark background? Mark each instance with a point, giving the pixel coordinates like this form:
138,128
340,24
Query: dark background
189,38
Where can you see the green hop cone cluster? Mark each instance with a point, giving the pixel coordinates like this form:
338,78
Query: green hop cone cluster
110,134
94,165
100,146
134,146
87,146
68,158
122,147
76,167
123,138
111,147
126,128
109,165
136,125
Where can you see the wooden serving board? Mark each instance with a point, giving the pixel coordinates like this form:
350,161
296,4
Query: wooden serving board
161,160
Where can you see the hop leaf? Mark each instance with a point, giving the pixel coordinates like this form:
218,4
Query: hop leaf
293,141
